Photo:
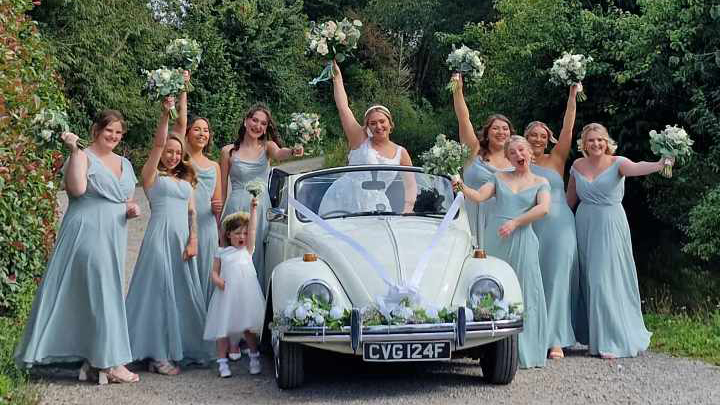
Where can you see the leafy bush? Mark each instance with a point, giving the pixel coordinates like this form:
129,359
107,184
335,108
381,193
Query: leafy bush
704,227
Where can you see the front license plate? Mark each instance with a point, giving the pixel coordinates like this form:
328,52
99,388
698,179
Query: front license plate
406,351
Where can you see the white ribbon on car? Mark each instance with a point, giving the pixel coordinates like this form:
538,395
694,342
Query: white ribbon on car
396,292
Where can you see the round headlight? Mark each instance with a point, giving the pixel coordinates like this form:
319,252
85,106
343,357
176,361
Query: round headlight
318,290
484,286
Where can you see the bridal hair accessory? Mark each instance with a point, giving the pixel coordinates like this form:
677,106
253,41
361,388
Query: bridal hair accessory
382,108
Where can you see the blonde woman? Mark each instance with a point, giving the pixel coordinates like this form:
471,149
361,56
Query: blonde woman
607,268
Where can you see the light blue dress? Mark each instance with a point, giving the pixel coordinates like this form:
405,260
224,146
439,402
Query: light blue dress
558,260
242,172
607,267
207,228
78,312
520,251
165,303
475,175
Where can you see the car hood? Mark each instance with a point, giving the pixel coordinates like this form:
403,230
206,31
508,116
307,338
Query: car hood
397,244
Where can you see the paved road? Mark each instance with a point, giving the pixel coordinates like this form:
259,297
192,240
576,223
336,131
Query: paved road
648,379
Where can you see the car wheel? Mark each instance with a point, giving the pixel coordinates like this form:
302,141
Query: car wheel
500,360
289,370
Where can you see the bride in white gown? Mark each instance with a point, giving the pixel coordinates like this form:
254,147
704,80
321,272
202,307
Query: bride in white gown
369,144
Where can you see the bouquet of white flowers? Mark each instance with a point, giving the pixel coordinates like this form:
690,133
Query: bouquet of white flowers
671,142
569,70
467,62
162,83
184,53
49,124
255,188
310,312
332,40
446,157
304,129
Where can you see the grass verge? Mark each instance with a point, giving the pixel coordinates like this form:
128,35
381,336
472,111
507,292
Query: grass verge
695,336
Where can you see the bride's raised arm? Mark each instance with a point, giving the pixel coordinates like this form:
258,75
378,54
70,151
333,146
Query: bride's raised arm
353,130
467,132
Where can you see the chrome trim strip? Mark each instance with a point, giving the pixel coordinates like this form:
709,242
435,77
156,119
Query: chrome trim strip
400,337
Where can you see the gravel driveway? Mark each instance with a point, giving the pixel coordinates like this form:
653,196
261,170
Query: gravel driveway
651,378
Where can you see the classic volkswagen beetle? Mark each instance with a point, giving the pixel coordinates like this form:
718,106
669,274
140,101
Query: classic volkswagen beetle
346,236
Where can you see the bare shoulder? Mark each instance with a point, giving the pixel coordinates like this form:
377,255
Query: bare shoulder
579,163
540,180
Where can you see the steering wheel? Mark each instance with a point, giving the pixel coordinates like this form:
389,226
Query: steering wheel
329,213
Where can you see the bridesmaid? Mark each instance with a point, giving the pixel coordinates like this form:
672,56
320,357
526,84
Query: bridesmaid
165,304
556,231
607,267
208,195
249,159
78,312
522,198
487,158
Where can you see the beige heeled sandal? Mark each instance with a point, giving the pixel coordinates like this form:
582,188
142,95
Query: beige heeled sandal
116,375
163,367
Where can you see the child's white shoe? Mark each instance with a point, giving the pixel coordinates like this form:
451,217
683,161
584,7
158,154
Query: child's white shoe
235,356
255,366
224,368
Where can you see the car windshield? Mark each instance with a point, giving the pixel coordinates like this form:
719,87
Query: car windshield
366,191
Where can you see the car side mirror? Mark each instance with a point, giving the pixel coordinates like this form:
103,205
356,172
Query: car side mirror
274,214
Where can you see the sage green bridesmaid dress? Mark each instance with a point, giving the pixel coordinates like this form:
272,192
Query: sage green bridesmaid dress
475,175
242,172
165,304
207,228
520,251
79,312
558,260
607,267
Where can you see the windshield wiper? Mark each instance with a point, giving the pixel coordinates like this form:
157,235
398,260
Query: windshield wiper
364,214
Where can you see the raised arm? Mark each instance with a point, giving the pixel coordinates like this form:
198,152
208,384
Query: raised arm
467,132
76,170
149,170
353,130
629,168
562,149
252,225
278,153
180,125
540,209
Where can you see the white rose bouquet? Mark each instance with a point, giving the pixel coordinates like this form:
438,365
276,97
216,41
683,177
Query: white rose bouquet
162,83
671,142
332,40
569,70
446,157
304,129
311,312
49,124
255,188
466,62
184,53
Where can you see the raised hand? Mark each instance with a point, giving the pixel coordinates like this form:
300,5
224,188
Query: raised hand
298,150
457,77
254,203
70,140
186,76
168,104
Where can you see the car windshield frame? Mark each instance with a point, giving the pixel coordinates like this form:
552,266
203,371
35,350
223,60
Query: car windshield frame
367,168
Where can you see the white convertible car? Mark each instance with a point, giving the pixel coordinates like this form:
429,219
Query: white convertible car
357,238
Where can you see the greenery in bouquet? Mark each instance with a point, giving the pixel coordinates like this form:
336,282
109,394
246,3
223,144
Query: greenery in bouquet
304,129
488,308
672,142
311,312
332,40
466,62
184,53
406,313
49,124
570,69
162,83
445,158
255,188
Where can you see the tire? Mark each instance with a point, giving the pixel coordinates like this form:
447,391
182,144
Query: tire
500,361
289,368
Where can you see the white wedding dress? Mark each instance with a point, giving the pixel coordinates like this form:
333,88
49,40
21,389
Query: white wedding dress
346,194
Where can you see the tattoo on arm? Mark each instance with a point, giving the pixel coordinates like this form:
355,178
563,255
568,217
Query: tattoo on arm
192,222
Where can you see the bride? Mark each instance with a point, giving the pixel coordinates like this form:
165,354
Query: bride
369,144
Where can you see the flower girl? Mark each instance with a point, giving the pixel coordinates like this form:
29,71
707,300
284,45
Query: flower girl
237,304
